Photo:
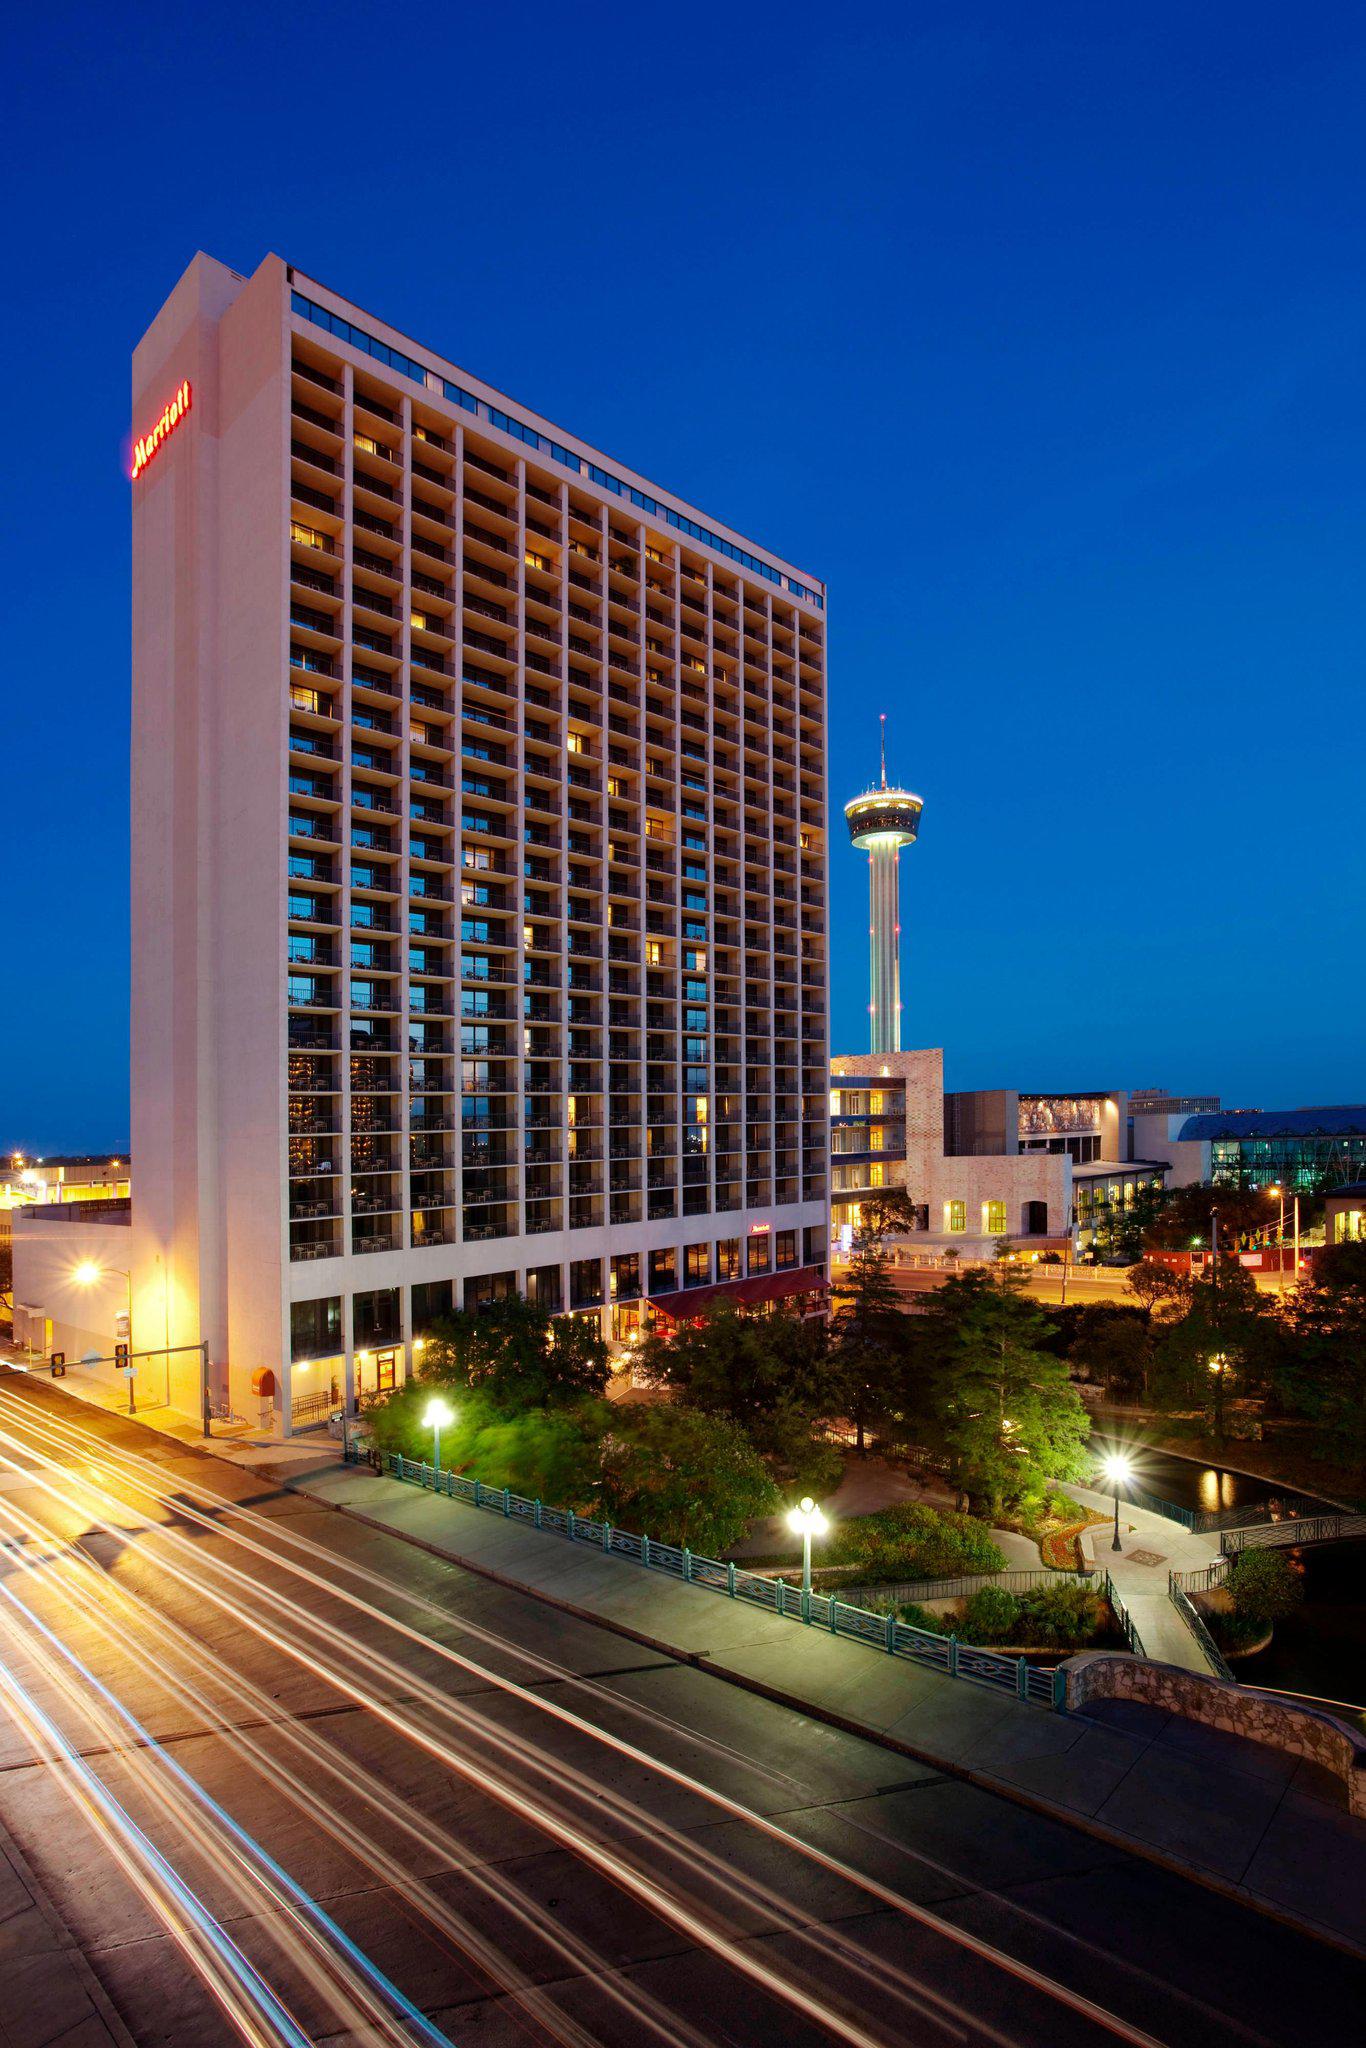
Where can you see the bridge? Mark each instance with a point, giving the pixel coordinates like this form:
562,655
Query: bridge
1296,1529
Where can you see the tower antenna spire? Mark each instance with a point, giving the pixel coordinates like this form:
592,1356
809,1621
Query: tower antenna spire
882,721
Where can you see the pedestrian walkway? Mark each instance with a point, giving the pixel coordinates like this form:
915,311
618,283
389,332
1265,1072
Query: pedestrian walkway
1251,1820
1151,1546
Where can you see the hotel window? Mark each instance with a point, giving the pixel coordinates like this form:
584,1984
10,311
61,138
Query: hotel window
759,1249
728,1258
875,1172
785,1249
315,1328
955,1216
585,1283
994,1219
625,1276
663,1272
543,1288
696,1265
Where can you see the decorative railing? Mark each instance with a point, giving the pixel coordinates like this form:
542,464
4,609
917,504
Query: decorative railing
1206,1521
1195,1622
1297,1529
968,1583
1124,1619
884,1632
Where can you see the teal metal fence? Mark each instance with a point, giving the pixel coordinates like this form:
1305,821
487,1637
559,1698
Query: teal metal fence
1207,1521
1195,1622
1124,1618
1295,1529
815,1610
962,1588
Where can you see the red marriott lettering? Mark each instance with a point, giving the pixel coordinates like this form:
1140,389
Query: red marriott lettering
146,448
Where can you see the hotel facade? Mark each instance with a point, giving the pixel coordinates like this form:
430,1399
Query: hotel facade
479,863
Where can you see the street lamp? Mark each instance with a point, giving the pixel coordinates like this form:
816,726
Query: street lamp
85,1275
1218,1366
806,1521
1119,1472
437,1416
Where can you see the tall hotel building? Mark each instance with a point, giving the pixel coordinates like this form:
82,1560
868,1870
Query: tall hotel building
479,862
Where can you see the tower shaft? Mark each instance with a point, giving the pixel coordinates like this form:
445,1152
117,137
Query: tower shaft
884,947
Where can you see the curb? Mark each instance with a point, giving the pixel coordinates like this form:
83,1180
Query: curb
1099,1831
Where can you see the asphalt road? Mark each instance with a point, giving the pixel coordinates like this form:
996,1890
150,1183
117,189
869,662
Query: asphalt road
287,1779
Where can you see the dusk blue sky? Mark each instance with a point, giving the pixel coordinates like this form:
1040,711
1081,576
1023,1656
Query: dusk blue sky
1037,332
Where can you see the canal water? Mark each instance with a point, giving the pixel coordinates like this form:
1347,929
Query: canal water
1189,1484
1322,1649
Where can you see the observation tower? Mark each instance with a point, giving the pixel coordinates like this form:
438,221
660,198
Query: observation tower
884,820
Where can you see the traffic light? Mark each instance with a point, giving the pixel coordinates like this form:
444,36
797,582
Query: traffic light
58,1364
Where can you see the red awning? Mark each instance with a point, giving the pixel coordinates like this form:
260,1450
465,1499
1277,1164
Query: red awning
686,1302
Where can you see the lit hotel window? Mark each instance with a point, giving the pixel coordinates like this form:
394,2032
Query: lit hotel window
955,1215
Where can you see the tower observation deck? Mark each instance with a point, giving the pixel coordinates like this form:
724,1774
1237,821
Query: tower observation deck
883,820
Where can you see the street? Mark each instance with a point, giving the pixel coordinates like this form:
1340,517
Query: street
288,1779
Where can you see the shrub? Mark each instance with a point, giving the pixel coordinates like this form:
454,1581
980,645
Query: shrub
1058,1617
916,1616
912,1541
989,1615
1264,1587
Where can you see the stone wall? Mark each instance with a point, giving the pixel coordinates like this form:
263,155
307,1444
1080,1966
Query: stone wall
1302,1731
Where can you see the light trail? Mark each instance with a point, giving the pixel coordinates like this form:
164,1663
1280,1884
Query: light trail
241,1993
347,1983
178,1506
354,1782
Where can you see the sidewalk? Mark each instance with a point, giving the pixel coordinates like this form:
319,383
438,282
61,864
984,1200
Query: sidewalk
1249,1820
1151,1547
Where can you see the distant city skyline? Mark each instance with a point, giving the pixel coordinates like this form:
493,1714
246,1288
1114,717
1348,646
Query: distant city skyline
1024,340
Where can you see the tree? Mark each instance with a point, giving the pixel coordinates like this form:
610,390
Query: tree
1160,1289
1115,1345
683,1477
1221,1347
1120,1230
868,1340
1323,1369
743,1366
886,1212
1002,1405
517,1355
1184,1217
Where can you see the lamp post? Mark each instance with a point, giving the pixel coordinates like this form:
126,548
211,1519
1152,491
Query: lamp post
1276,1189
85,1275
1218,1366
1119,1472
806,1521
437,1416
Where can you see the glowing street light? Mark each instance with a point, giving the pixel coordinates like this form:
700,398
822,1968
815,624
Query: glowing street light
86,1274
806,1521
438,1415
1119,1472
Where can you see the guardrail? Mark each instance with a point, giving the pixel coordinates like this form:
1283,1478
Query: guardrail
1207,1521
1124,1618
815,1610
1022,1581
1203,1581
1194,1621
1299,1529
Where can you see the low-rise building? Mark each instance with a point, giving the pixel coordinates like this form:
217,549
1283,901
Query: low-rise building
1296,1149
1043,1171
